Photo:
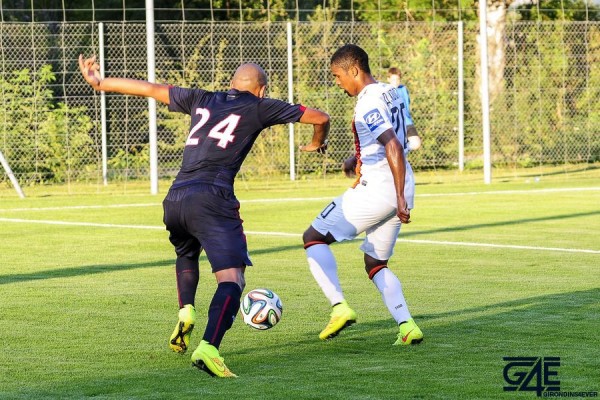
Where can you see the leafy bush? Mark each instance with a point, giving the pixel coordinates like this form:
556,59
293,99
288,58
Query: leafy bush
45,140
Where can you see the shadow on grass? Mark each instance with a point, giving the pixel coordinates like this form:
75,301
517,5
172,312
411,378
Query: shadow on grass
560,301
80,271
461,357
104,268
559,172
530,311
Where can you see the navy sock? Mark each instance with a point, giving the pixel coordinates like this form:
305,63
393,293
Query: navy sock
222,311
187,279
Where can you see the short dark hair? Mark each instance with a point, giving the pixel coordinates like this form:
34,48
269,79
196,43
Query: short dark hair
394,71
350,55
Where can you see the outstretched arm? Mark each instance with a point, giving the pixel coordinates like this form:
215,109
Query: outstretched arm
320,122
91,73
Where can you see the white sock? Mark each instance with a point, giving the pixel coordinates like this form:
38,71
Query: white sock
391,291
324,269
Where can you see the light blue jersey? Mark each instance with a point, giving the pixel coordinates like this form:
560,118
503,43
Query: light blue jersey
403,90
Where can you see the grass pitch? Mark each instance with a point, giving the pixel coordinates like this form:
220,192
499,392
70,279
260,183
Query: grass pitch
88,296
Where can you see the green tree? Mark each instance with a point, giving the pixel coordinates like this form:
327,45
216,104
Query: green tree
43,140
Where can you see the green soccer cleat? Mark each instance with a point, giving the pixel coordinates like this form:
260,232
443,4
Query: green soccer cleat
409,334
180,339
342,317
207,358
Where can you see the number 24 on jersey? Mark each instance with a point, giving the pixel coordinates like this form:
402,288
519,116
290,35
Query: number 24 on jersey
222,131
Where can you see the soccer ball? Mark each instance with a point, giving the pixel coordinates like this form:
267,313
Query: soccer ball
261,309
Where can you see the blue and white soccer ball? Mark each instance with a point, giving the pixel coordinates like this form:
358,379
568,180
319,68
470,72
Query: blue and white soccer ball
261,309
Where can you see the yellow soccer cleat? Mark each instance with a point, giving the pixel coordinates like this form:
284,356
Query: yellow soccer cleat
207,358
409,334
342,317
180,339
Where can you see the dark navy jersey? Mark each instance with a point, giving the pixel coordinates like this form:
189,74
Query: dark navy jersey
223,129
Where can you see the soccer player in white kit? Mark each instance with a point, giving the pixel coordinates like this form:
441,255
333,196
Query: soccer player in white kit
377,204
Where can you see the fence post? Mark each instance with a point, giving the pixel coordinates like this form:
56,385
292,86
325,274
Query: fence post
485,94
103,106
461,98
291,99
153,142
11,176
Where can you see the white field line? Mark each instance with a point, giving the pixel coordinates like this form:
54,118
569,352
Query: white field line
80,207
88,224
501,246
523,191
297,235
300,199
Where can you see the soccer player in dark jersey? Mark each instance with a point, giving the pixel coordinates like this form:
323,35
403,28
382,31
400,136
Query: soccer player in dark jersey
201,211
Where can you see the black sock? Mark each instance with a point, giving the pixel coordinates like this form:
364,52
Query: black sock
187,279
222,311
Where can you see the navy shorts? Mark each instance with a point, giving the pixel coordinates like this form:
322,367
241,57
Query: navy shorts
202,216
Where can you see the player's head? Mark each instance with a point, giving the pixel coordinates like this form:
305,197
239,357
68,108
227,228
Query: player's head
394,76
251,78
350,66
350,55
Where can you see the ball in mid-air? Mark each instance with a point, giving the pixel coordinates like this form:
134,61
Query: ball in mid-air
261,309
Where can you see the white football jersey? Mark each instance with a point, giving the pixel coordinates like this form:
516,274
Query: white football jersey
379,107
371,205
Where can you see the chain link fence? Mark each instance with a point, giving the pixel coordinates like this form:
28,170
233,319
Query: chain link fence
545,108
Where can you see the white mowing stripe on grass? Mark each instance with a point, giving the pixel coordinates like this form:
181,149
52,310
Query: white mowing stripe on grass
287,199
282,200
90,224
300,199
522,191
81,207
298,235
500,246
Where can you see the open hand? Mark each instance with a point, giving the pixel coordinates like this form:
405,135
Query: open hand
91,71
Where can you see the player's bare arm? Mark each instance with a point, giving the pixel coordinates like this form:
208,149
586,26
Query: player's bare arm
91,73
395,156
320,122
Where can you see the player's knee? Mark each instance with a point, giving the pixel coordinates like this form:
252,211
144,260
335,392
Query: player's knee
188,254
232,275
372,271
308,235
373,266
311,237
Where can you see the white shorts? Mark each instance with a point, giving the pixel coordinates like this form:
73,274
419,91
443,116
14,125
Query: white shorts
363,209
